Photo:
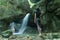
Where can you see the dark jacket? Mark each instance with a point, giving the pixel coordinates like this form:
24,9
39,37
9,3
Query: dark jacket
38,13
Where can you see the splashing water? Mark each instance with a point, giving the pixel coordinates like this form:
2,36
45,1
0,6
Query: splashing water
23,26
13,26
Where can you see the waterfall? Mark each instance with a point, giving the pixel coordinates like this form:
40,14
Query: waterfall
23,25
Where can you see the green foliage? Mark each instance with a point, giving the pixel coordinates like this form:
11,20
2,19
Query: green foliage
6,33
9,8
51,15
34,1
50,19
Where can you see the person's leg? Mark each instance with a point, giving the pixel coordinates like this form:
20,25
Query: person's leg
39,29
38,26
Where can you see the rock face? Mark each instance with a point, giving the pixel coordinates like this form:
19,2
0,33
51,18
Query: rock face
12,10
52,13
15,10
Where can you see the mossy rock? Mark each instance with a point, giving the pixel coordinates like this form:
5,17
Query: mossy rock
6,33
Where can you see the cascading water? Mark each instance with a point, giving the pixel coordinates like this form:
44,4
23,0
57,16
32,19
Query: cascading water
23,25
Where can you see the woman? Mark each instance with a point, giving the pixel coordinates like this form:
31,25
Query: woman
37,19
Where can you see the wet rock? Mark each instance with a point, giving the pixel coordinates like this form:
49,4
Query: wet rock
12,37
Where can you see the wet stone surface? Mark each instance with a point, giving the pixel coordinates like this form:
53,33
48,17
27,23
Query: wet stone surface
43,36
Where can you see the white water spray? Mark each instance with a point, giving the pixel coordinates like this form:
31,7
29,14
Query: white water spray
12,25
23,26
